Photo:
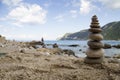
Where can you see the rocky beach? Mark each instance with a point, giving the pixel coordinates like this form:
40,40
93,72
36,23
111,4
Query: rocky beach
59,40
22,61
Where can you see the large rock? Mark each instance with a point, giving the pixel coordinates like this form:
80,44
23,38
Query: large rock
107,46
116,46
94,53
95,44
55,45
96,36
68,52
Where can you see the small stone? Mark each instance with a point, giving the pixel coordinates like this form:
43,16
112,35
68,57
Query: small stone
93,61
95,25
95,30
94,53
95,44
96,37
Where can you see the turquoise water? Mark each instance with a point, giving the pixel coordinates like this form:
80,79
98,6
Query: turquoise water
63,44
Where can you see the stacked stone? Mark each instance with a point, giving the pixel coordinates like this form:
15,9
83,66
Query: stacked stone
95,52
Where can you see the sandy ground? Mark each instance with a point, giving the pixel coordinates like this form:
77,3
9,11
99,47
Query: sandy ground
21,66
38,64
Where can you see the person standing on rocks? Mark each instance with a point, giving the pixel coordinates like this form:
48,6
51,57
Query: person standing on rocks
95,51
43,44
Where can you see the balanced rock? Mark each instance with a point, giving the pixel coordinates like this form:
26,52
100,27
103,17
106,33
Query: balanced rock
95,53
96,37
95,45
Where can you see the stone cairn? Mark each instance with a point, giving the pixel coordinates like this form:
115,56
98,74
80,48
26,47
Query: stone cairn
95,52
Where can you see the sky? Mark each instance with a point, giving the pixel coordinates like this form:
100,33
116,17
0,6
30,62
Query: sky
51,19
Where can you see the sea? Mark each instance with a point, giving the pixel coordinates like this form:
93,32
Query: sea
82,46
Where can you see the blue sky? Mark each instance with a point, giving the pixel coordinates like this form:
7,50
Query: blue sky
50,19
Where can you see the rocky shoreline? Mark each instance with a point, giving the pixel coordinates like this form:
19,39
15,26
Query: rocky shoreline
20,61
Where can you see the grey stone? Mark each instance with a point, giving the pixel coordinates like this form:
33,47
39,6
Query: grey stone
97,36
95,44
95,30
94,53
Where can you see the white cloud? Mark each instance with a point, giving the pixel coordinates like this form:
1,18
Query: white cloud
59,18
85,6
11,2
27,14
73,13
114,4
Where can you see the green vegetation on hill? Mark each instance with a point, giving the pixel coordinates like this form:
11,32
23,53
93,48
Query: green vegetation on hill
111,31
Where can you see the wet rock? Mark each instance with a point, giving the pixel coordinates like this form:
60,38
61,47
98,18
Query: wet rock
68,52
116,46
107,46
80,49
73,45
55,45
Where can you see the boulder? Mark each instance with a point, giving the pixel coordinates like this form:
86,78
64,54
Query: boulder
116,46
107,46
55,45
68,52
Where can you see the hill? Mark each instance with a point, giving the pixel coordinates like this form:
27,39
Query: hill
111,31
